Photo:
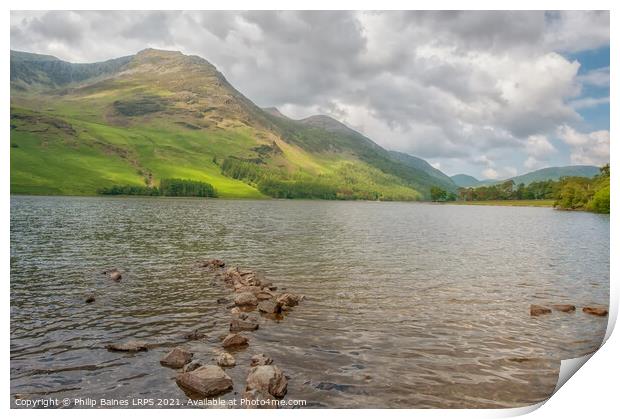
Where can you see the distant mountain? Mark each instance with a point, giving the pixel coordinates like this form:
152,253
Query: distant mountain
555,173
465,181
548,173
132,121
45,71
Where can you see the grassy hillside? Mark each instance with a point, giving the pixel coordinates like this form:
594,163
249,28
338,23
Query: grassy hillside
78,128
436,176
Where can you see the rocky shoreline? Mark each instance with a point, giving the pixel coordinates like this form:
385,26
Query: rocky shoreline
253,297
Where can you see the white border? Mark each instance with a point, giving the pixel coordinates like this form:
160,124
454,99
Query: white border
591,393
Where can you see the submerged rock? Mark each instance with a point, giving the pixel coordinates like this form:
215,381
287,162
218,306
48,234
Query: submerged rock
241,288
231,275
239,325
536,310
260,359
212,264
246,299
192,366
194,335
265,295
565,308
596,311
289,299
265,283
176,358
130,346
234,339
270,307
224,359
90,298
267,378
115,276
207,381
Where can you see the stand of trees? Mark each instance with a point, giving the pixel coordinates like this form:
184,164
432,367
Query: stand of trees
572,193
351,184
167,187
440,195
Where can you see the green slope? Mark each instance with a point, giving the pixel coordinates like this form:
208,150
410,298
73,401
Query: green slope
77,128
436,176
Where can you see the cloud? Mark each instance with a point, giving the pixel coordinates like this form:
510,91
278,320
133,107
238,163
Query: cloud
589,102
538,149
498,174
493,169
539,146
598,77
441,85
574,31
490,173
586,148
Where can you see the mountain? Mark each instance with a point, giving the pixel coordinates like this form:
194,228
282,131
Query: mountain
35,70
465,181
133,121
438,177
555,173
548,173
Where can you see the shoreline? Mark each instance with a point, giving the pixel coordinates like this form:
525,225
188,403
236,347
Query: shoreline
541,203
515,203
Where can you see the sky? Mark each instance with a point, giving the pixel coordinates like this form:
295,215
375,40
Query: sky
490,94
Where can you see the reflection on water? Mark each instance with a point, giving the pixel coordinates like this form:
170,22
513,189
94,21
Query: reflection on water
408,305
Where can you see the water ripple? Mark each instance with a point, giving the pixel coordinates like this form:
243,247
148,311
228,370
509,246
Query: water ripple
408,305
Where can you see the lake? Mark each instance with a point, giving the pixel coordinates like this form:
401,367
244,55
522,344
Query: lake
407,305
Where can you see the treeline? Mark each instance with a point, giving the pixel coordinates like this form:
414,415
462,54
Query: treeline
277,184
351,185
574,193
167,187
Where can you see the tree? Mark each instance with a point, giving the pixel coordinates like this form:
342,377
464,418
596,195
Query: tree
438,194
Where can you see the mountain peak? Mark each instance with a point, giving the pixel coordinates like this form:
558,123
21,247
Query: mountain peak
167,61
326,122
158,53
275,112
17,56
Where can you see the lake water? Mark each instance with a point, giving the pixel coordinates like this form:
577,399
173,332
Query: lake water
408,305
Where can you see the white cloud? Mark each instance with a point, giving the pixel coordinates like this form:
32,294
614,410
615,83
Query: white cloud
589,102
586,148
490,173
574,31
598,77
538,149
538,146
532,163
